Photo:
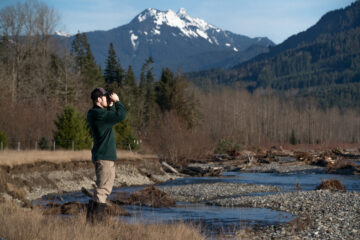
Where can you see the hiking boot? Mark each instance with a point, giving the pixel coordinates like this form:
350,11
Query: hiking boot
90,211
96,212
100,212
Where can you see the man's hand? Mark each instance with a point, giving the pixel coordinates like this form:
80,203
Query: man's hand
114,97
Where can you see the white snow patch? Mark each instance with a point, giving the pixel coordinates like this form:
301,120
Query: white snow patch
155,32
202,34
62,34
131,31
173,34
210,41
133,38
259,39
182,12
235,49
190,27
145,33
218,30
227,44
215,40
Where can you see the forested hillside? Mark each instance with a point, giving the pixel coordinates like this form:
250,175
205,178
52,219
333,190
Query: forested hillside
322,62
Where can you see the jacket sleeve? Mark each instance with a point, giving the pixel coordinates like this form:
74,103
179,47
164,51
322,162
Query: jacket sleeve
114,114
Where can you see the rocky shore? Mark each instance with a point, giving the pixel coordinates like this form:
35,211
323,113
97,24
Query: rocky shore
319,214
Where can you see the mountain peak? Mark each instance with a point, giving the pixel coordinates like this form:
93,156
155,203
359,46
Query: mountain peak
188,26
182,12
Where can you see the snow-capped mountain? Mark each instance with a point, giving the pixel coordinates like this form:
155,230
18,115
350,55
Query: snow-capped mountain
174,40
62,34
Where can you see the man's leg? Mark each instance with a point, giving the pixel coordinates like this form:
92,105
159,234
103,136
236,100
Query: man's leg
105,176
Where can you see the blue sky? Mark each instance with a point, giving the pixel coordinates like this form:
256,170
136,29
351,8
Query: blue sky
275,19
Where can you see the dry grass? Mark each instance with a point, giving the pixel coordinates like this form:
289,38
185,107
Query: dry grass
331,184
12,158
18,223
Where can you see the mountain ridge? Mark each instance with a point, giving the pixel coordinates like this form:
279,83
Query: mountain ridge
173,40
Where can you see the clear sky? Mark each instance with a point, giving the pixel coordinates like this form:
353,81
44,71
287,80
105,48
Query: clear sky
275,19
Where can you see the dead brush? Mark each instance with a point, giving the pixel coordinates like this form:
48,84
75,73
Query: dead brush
149,196
331,184
342,164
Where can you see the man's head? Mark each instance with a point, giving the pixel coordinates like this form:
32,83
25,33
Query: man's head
98,96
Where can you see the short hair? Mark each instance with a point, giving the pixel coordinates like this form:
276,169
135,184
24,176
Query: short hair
96,93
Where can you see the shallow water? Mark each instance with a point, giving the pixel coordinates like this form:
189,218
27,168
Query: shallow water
212,219
308,179
215,219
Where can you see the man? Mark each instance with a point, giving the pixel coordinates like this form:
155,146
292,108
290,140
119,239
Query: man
106,112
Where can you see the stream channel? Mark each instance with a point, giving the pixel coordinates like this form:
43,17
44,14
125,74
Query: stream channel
225,220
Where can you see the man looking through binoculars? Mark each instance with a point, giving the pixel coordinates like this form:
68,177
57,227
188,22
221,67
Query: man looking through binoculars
107,111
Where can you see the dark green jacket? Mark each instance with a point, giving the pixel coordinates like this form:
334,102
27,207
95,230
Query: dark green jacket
101,122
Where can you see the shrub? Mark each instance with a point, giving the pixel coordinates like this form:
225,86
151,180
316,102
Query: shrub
226,145
331,184
124,136
43,143
3,139
293,139
72,126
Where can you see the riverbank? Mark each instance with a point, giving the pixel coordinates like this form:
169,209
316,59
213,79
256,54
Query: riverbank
25,176
318,214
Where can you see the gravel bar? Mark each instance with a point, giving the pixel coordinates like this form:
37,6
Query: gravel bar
279,168
209,191
319,214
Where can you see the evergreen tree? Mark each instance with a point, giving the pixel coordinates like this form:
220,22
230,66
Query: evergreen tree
164,90
72,126
124,137
130,82
3,139
113,70
171,95
85,62
293,139
149,101
146,68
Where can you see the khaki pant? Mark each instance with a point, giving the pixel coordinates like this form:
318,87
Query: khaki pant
105,176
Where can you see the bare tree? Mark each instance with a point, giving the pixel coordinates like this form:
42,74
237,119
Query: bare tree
26,29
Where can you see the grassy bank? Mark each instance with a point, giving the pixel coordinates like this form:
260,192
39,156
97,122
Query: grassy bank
13,158
20,223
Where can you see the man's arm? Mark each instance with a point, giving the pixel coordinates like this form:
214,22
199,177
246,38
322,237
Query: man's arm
116,111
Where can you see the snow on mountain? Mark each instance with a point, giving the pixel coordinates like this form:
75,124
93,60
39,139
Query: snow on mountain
190,27
174,40
62,34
